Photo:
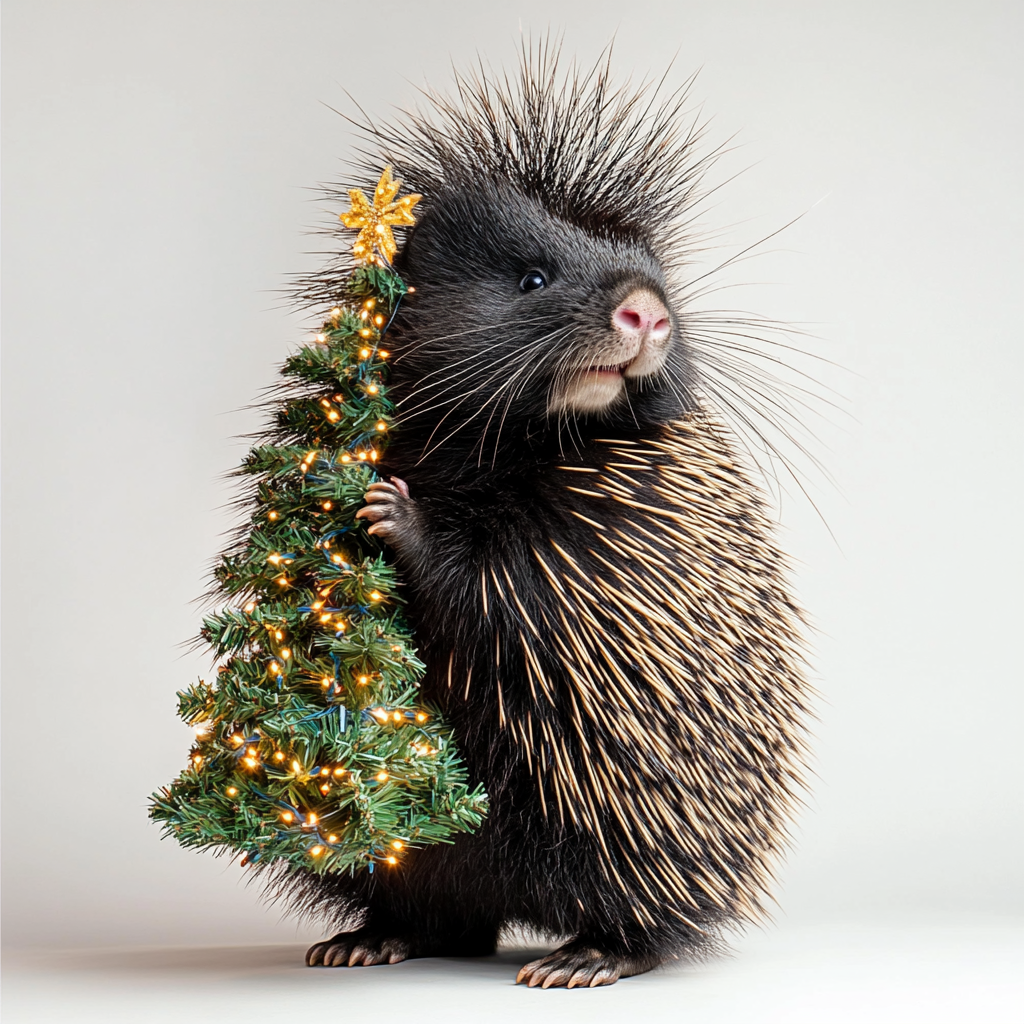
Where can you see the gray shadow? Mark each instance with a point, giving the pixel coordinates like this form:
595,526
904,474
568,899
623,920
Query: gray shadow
243,960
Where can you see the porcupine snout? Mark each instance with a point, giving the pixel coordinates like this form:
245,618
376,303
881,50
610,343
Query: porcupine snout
644,326
636,347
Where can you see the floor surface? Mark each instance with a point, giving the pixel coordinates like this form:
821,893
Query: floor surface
824,975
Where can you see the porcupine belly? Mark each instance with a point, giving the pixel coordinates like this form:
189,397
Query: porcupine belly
619,660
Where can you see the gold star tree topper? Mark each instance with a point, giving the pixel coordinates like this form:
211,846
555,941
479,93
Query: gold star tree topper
374,220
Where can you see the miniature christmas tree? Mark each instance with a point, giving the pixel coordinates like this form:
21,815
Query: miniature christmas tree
312,747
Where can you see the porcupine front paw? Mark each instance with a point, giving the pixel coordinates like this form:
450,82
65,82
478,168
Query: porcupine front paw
392,513
361,948
580,964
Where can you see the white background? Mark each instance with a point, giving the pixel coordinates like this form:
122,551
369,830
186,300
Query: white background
158,160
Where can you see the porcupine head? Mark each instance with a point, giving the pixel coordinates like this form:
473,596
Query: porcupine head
595,591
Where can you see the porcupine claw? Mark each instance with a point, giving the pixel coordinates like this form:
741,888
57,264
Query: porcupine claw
580,965
392,513
360,948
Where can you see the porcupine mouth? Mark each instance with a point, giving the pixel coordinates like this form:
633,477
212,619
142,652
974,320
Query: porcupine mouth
592,389
615,370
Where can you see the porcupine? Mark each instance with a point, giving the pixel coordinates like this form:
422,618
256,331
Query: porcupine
603,614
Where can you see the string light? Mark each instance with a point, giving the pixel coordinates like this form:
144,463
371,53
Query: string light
375,595
316,851
420,716
278,756
332,839
392,860
275,669
381,776
327,506
381,425
321,337
397,845
231,791
251,606
286,653
272,515
287,816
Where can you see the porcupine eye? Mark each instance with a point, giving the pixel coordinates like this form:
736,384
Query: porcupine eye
533,280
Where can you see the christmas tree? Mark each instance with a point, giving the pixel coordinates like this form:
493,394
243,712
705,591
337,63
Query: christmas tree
311,746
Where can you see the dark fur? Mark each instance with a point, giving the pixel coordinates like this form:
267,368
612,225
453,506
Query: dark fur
494,513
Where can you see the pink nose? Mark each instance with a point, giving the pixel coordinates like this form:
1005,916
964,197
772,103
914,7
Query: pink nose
643,316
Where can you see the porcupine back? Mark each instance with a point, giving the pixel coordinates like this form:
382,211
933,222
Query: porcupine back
601,606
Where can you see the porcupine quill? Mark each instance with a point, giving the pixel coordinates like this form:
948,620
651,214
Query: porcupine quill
592,575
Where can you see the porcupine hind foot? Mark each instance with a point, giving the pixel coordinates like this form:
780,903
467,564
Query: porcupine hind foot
392,513
361,948
581,964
